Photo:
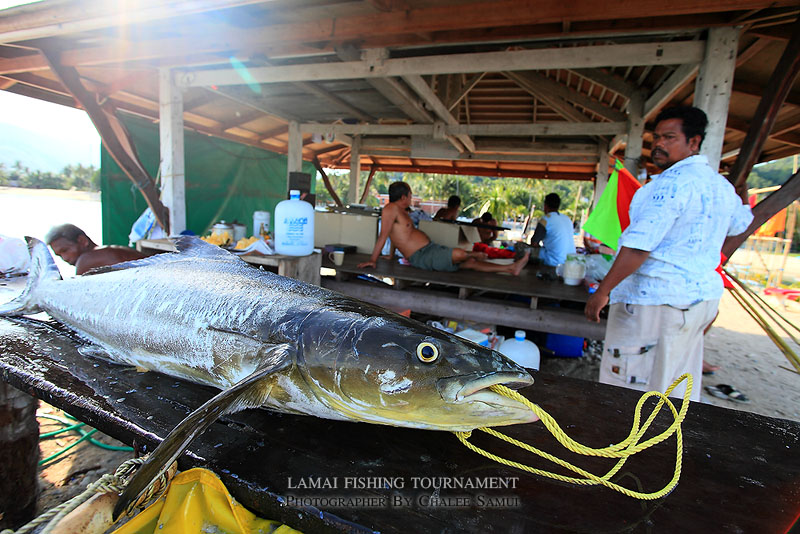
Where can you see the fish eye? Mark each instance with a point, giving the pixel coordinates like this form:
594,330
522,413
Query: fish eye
427,352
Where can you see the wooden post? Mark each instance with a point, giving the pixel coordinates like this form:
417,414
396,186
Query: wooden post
789,236
713,88
355,169
170,131
633,149
295,156
601,181
19,441
113,133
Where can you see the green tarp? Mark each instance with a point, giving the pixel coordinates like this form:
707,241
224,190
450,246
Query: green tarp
224,181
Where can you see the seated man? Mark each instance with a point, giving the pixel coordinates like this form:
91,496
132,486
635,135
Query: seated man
553,233
76,248
418,248
450,213
487,235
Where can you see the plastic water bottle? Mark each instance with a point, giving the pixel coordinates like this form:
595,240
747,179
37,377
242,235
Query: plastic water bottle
294,226
520,351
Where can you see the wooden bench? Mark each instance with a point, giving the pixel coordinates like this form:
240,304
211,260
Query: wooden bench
472,295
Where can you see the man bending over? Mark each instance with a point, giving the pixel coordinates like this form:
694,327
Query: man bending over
76,248
417,247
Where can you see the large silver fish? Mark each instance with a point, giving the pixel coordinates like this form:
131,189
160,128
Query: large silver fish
204,315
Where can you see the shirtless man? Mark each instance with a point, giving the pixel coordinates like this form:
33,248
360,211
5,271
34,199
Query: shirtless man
450,213
76,248
487,235
418,248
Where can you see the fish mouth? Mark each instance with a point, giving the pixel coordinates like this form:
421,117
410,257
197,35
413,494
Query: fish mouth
475,387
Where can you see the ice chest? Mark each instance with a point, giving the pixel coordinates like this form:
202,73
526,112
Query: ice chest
450,234
360,231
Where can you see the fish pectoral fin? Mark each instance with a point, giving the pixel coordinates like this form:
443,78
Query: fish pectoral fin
249,392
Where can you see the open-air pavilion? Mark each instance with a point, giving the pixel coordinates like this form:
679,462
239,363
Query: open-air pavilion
511,88
504,88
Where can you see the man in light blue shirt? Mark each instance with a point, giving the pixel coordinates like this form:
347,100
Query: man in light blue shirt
662,287
553,233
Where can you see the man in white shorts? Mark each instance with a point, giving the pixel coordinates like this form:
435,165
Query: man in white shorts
662,287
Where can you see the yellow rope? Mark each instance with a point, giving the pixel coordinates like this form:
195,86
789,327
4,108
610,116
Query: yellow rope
622,450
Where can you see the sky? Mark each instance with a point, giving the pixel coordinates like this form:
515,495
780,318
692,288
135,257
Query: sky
62,135
38,115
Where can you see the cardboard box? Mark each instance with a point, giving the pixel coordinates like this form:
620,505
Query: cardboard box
360,231
450,234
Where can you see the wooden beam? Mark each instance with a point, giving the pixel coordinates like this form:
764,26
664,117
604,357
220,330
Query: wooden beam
764,210
559,104
19,64
486,171
488,16
429,97
367,185
555,321
554,88
750,88
114,135
391,89
598,76
780,82
664,53
327,181
24,23
468,86
489,130
661,96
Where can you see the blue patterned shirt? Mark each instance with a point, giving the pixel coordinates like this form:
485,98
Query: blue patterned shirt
682,218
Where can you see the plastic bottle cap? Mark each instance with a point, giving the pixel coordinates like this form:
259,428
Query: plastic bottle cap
519,335
294,194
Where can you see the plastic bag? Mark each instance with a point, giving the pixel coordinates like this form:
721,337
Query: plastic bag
145,227
14,256
597,266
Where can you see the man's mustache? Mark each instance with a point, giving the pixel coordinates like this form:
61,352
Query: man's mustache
658,151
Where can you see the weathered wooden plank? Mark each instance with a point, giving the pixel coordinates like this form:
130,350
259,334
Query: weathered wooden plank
733,462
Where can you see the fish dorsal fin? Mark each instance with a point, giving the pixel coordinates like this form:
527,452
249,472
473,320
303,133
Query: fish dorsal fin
187,246
250,392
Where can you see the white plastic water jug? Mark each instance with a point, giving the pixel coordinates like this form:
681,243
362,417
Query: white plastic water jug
294,226
520,351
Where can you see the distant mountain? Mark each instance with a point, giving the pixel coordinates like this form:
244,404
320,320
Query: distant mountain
44,152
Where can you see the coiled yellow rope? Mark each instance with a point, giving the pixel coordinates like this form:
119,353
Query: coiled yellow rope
622,450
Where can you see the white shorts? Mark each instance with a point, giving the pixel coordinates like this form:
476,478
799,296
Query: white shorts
648,347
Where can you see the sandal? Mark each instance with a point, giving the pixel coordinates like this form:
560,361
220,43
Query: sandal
724,391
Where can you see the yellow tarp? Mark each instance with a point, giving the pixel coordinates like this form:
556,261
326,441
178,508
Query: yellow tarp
197,502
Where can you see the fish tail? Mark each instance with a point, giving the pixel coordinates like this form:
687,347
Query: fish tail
43,267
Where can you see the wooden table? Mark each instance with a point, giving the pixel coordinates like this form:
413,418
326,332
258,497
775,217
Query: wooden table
476,298
740,470
305,268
